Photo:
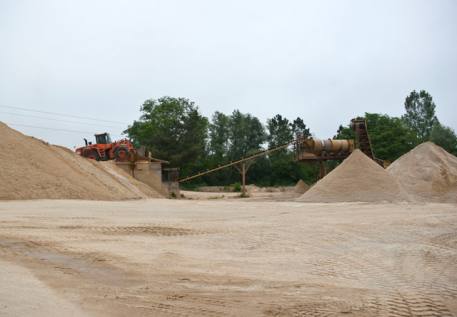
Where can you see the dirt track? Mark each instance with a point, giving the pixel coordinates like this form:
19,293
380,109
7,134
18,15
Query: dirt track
227,257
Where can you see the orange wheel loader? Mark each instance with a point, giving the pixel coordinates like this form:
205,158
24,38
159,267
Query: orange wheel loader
104,149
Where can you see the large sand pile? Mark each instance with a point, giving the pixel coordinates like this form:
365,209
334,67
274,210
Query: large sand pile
33,169
358,178
428,173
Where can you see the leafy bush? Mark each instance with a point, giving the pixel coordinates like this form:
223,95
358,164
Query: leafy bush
236,187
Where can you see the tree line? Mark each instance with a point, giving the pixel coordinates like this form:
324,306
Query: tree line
174,129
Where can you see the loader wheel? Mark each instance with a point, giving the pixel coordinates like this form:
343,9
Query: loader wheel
93,154
121,154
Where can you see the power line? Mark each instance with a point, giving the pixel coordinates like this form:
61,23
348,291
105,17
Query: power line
53,129
58,120
60,114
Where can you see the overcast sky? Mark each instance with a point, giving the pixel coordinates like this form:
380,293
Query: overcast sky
325,61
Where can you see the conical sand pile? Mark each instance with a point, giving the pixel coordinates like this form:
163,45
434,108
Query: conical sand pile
428,173
301,187
33,169
357,179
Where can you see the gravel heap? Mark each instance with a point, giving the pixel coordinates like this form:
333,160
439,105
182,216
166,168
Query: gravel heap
428,173
301,187
357,179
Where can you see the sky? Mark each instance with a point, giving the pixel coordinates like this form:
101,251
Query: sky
324,61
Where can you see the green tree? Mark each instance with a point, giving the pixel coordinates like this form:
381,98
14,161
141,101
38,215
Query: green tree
279,131
281,162
420,114
305,171
284,170
344,133
218,145
444,137
299,127
219,131
246,135
389,136
231,138
172,129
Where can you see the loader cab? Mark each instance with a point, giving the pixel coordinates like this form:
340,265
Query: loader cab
102,138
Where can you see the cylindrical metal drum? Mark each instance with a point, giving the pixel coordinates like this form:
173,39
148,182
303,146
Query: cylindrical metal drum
317,146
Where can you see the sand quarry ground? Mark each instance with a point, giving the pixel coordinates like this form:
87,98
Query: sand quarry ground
227,257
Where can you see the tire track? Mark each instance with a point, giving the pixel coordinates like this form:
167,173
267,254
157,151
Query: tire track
131,230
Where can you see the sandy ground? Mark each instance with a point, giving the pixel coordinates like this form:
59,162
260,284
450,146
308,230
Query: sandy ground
226,257
287,195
